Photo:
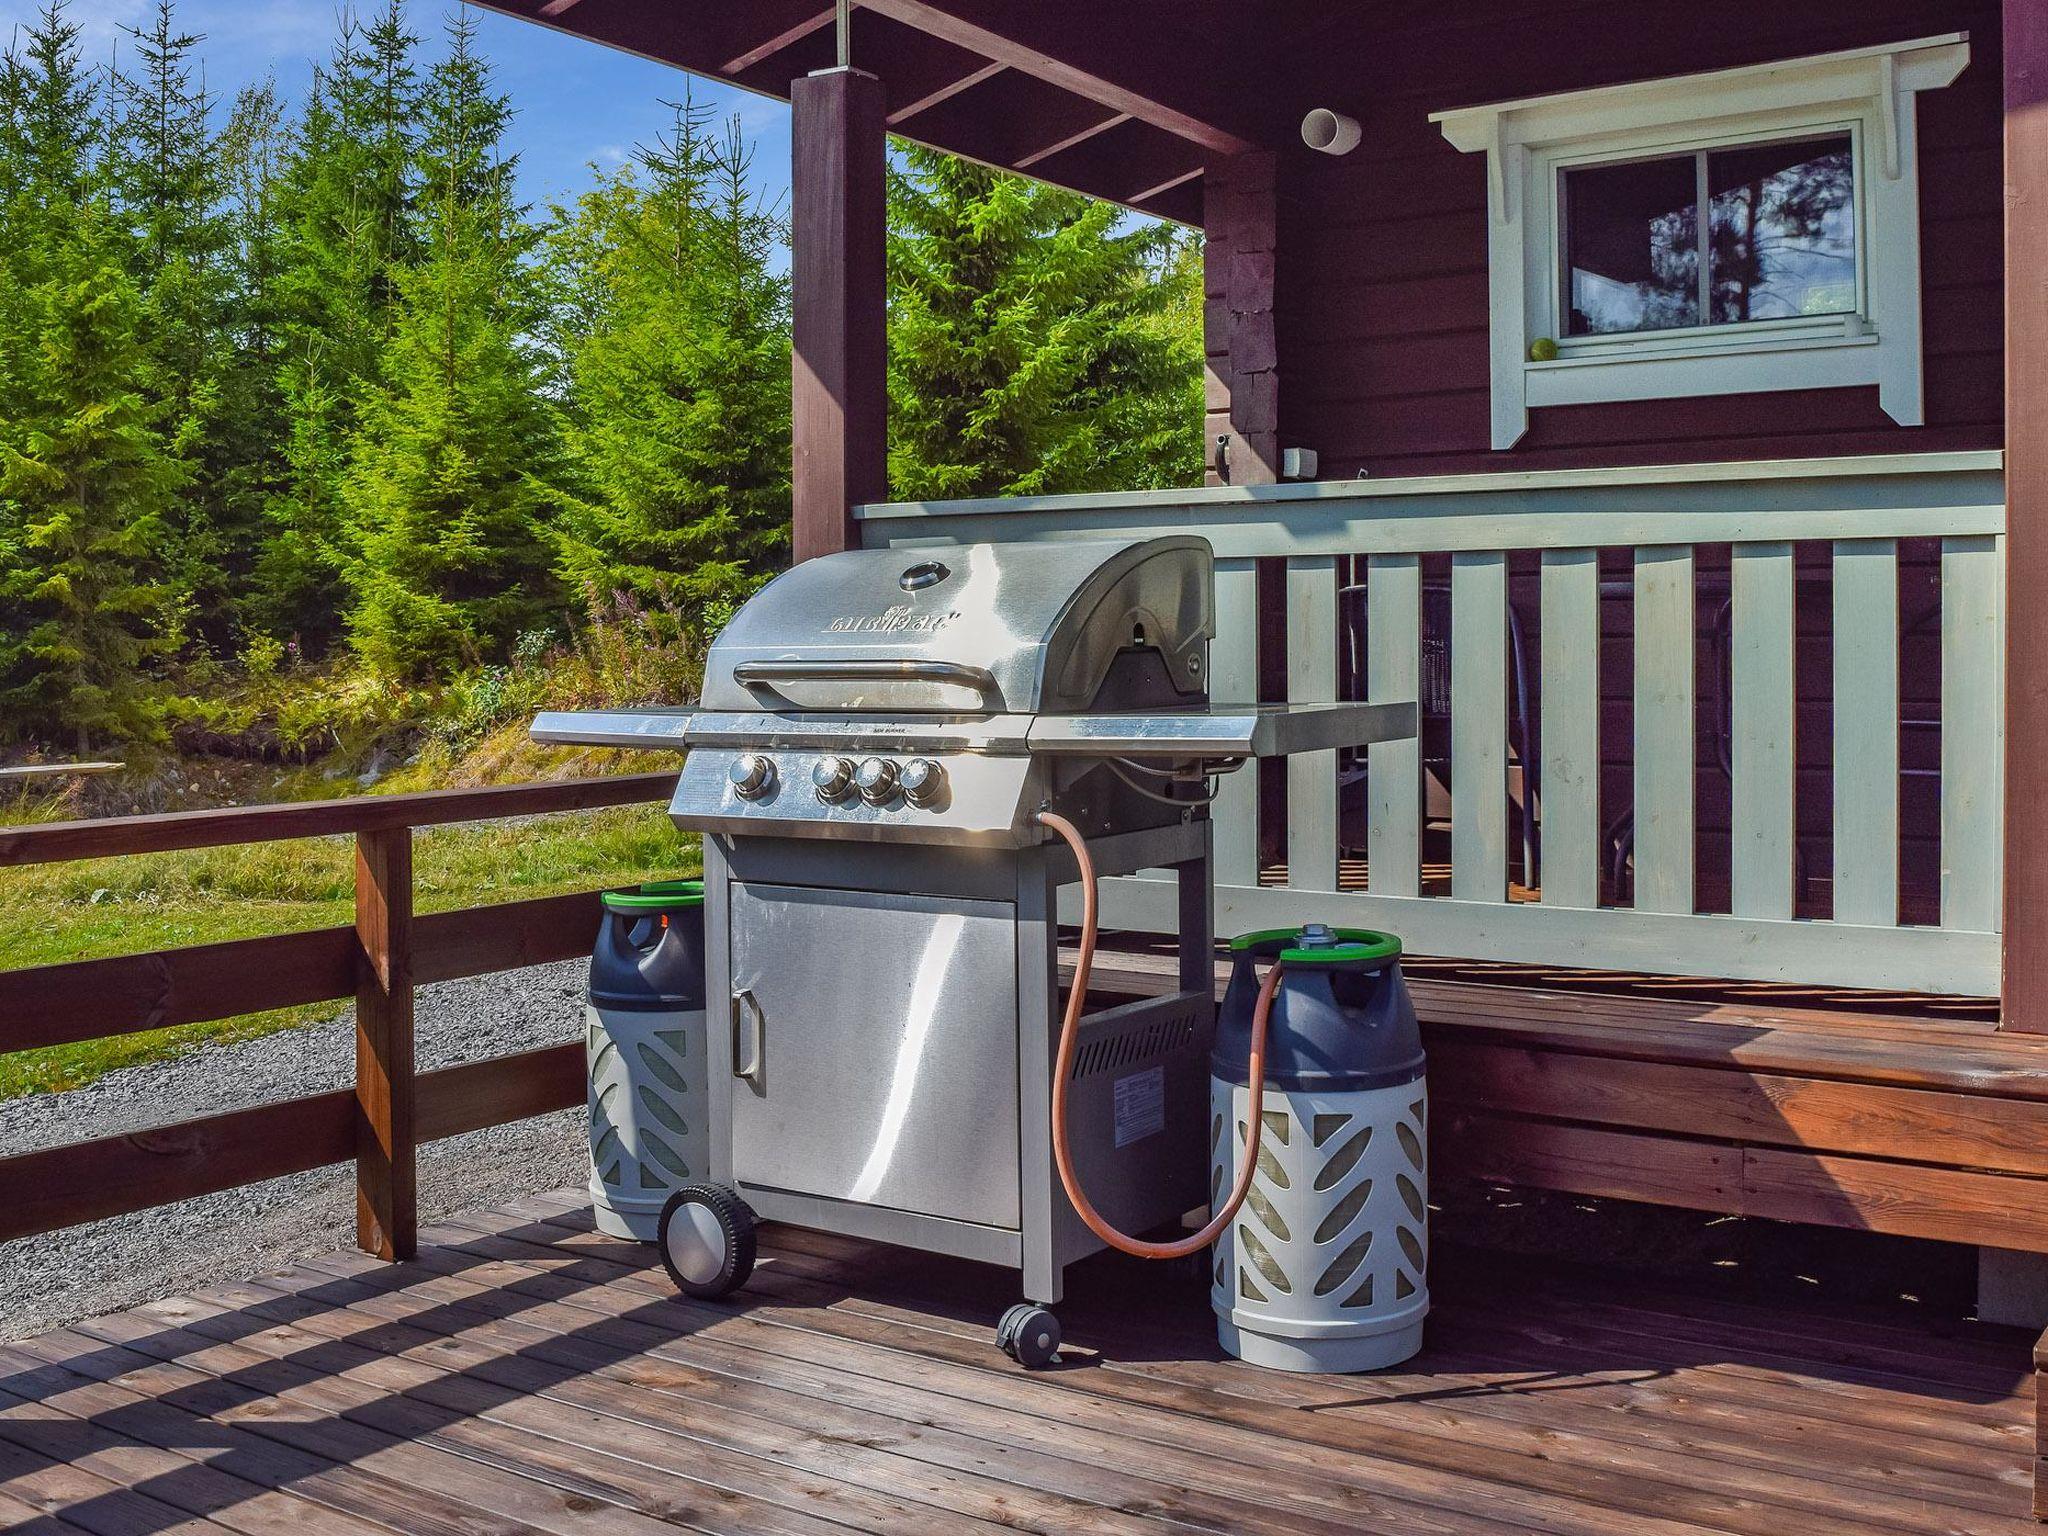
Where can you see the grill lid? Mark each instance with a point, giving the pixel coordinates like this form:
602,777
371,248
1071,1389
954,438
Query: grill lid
982,628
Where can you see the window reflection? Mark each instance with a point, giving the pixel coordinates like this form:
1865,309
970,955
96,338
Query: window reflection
1782,230
1780,238
1633,237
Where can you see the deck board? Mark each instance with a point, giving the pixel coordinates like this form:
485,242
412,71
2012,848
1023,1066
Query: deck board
529,1374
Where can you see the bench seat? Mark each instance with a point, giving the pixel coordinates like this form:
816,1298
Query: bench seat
1920,1126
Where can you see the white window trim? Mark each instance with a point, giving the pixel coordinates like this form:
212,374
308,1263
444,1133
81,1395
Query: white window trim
1870,92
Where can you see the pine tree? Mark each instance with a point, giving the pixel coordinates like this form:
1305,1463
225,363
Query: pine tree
678,346
1038,341
444,501
85,481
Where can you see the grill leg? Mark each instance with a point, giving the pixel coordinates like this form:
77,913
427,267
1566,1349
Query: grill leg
1038,996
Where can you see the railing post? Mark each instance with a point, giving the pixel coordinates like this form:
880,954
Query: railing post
387,1204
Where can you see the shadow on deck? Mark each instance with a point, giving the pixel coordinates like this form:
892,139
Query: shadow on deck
527,1374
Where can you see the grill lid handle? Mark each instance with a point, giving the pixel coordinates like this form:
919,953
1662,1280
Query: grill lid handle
765,675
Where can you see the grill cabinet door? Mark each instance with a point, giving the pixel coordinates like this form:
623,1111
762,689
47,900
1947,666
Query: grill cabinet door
888,1049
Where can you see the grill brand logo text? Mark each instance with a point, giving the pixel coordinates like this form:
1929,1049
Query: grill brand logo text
897,620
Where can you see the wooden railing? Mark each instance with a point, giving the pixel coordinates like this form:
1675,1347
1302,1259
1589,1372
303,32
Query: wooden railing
1493,598
392,1108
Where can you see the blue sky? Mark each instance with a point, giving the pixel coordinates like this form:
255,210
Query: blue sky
577,103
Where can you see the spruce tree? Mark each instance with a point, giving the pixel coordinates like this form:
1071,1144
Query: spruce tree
1039,341
677,339
343,196
166,178
250,426
85,480
443,503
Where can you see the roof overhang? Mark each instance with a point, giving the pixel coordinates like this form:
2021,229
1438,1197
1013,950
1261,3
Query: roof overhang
1127,100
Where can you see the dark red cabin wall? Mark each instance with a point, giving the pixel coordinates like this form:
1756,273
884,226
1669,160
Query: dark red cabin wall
1382,285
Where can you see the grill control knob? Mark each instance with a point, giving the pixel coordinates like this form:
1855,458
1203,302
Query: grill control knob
877,780
833,779
752,775
923,781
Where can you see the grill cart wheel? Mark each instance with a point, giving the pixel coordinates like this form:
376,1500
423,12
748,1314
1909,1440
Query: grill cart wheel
707,1240
1029,1335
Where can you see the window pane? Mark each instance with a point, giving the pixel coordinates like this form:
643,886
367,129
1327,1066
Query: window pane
1632,234
1783,225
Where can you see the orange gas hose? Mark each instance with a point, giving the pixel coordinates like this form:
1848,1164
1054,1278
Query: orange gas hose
1063,1069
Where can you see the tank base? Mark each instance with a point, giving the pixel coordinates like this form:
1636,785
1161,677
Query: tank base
641,1226
1374,1352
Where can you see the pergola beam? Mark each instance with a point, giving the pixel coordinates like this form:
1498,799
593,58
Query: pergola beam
1037,62
1137,199
788,37
959,85
1082,136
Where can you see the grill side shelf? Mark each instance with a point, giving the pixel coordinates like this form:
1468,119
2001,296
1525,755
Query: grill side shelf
1223,730
657,729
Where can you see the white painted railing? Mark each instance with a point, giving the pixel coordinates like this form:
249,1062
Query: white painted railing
1470,563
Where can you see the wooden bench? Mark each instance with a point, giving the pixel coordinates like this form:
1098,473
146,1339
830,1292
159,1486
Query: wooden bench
1918,1126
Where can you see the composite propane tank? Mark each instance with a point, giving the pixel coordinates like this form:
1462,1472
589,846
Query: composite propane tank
1325,1266
644,1048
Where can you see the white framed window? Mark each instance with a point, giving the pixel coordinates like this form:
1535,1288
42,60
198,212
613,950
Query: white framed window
1720,233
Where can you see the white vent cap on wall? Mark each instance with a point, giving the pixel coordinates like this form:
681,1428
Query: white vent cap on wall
1332,133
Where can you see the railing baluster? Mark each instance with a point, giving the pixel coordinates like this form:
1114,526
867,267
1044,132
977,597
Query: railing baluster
1570,704
1479,714
1866,657
1763,766
1971,673
387,1202
1664,699
1312,679
1234,679
1393,673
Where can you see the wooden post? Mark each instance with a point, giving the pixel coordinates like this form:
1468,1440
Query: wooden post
2025,991
839,409
1239,223
387,1203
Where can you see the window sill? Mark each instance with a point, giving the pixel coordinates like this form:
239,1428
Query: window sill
1665,370
1754,338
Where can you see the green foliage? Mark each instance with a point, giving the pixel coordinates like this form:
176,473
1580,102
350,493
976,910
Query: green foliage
444,502
674,329
342,201
310,434
86,476
164,171
1037,341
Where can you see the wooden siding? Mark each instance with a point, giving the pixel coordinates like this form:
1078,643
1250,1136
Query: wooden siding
1382,282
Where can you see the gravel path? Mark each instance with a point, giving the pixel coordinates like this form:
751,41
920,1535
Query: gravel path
48,1281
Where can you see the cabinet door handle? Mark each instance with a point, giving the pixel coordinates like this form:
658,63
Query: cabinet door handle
747,1022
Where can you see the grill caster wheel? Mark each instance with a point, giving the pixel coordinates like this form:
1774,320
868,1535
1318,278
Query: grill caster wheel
707,1240
1029,1335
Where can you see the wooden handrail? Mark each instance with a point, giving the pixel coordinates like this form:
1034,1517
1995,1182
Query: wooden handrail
57,842
379,961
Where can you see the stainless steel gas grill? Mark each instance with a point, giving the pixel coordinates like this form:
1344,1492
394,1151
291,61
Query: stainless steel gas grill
878,735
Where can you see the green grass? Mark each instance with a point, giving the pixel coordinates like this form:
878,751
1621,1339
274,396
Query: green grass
55,913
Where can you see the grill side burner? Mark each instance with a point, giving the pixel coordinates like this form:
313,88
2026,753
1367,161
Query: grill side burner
878,733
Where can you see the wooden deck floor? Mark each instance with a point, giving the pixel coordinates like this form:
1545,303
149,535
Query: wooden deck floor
526,1374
